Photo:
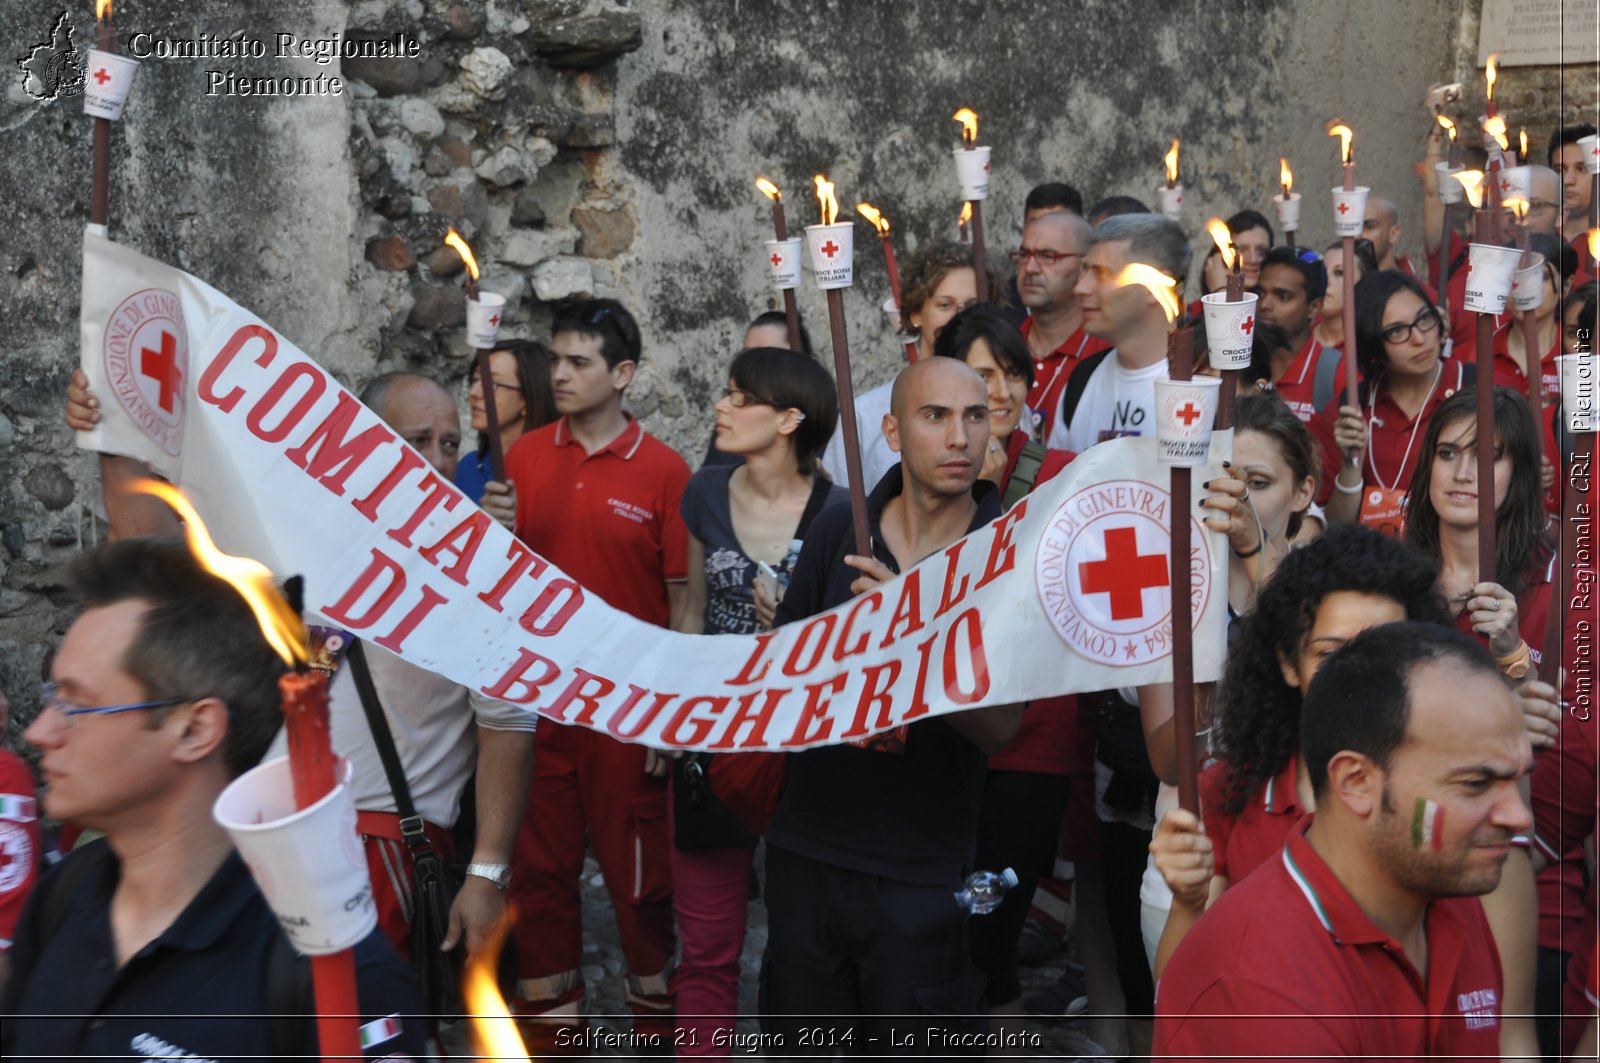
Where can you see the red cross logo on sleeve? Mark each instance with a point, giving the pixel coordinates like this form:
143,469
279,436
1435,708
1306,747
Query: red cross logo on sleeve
162,367
1124,574
1344,208
1248,325
777,260
101,76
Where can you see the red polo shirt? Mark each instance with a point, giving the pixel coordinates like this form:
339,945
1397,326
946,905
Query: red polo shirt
1242,843
1391,455
609,519
1286,965
1564,789
1298,384
1050,374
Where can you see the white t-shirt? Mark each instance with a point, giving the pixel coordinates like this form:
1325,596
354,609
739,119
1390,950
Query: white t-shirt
1117,402
876,457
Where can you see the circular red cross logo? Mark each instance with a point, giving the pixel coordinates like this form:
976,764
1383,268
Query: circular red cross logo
145,351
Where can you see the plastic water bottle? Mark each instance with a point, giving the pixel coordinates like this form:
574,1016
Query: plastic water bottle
983,891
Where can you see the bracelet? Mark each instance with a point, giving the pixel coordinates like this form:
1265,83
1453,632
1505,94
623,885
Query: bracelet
1514,656
1249,553
1339,486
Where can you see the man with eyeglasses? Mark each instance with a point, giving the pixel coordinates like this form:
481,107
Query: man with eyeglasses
599,498
154,940
1048,265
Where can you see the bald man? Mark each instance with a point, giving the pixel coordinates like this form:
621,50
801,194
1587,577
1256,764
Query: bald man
1382,227
871,838
1049,263
1544,204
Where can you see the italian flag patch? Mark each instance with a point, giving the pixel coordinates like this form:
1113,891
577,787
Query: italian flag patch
1427,824
380,1030
18,808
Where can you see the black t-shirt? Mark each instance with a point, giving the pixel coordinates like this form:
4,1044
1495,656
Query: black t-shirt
197,991
909,814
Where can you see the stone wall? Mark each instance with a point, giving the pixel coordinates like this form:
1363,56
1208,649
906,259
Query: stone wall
599,146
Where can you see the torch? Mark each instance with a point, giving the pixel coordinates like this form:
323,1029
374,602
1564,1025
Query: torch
106,89
1489,73
1230,323
1172,192
494,1030
963,222
1288,204
1349,210
783,256
1490,271
313,768
1527,293
832,250
1450,191
972,172
483,324
881,224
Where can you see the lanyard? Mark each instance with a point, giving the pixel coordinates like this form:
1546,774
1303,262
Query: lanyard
1049,397
1313,348
1372,406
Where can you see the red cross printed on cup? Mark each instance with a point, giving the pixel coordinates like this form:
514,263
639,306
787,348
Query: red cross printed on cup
101,76
1248,325
830,249
777,260
495,320
1189,414
162,367
1343,208
1125,574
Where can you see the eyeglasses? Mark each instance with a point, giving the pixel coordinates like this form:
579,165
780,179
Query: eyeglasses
1046,258
1542,204
496,384
1425,322
738,398
51,698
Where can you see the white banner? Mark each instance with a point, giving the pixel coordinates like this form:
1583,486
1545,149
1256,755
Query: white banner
1066,592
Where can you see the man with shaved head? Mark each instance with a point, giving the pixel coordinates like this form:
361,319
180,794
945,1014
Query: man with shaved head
1048,264
872,837
1382,227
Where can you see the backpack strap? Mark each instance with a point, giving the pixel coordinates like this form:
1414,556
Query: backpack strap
1325,382
1077,384
410,823
1024,474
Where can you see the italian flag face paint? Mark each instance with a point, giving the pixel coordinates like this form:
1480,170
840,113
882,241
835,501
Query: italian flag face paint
1427,825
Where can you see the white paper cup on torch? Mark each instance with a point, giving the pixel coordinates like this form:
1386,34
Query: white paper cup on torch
1185,411
1349,211
308,863
1580,391
1591,152
1172,202
1527,286
783,263
1516,182
1450,190
107,84
1490,271
1288,212
891,313
1230,329
483,319
831,249
972,172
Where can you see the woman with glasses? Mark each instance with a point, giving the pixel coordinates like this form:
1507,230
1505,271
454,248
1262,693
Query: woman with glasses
745,524
520,379
1371,449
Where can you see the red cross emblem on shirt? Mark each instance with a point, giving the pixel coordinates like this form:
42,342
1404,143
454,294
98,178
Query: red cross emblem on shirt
162,367
1124,574
777,260
1343,208
101,76
1189,414
1248,325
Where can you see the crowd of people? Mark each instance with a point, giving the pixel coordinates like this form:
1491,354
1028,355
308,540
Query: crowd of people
1393,854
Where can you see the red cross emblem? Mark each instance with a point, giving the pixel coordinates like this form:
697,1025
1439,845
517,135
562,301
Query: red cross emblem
1248,326
777,260
1124,574
1343,208
1595,150
830,249
495,320
162,367
1188,415
101,76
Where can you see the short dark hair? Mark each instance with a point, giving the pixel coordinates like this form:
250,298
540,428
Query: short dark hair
1586,294
1373,293
1111,206
1303,261
1247,219
1271,416
1366,253
780,319
1567,135
1054,194
993,327
1556,252
604,319
1360,699
197,637
790,380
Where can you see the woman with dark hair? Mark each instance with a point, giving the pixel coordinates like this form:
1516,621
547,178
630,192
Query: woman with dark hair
1370,450
745,522
1329,329
523,400
985,339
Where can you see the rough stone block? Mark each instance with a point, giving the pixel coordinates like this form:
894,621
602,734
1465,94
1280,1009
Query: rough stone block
390,253
422,118
486,71
443,262
585,41
387,77
50,484
506,166
462,22
526,209
529,247
436,306
608,229
558,278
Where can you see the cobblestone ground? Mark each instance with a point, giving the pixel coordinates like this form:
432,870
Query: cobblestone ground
603,970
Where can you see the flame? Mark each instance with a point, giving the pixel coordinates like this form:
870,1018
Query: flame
1594,243
1171,159
1472,185
1223,239
969,125
1496,127
1489,75
1522,137
768,189
453,238
966,212
828,201
1285,176
1343,132
102,10
1449,126
874,215
283,630
1517,206
494,1031
1163,287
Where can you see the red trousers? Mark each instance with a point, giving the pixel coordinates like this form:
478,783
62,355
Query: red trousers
583,780
389,864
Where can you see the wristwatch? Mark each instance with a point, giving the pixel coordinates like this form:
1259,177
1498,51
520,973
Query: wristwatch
1517,663
497,874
